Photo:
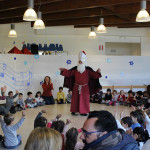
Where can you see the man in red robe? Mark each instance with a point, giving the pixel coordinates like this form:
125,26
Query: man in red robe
83,81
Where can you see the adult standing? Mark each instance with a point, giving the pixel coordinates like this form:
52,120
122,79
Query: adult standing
47,91
83,82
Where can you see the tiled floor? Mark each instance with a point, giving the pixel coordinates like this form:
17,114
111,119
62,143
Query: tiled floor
53,110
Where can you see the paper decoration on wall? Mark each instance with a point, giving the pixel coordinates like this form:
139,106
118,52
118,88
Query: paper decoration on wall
41,82
14,42
106,77
15,80
2,74
101,47
131,63
57,73
108,60
26,51
122,74
36,56
15,50
15,58
68,62
51,47
25,63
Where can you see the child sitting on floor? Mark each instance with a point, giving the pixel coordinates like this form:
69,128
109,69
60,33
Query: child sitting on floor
141,136
114,98
130,99
72,142
11,139
145,99
10,102
69,96
108,97
38,97
40,121
136,119
20,103
31,103
97,98
60,96
121,97
139,98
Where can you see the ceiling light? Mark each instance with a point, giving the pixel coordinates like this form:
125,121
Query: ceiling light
39,24
12,32
30,14
101,28
143,15
92,34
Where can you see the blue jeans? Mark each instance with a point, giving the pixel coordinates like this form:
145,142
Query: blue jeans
49,100
13,147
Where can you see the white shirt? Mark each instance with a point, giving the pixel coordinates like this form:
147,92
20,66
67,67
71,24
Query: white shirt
147,119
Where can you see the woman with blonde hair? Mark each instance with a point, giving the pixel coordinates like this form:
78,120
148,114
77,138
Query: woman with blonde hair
44,139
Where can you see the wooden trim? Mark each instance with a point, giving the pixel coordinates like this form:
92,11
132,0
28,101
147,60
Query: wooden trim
125,87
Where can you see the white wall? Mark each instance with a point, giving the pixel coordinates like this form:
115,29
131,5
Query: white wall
73,39
118,70
122,49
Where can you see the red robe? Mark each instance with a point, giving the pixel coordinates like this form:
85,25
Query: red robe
80,101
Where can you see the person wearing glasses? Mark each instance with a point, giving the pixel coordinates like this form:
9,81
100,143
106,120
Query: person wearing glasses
100,132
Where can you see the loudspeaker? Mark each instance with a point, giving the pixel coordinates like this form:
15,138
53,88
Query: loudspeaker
34,49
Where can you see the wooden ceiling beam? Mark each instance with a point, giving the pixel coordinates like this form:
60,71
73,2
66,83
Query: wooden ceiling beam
86,20
61,12
63,5
14,4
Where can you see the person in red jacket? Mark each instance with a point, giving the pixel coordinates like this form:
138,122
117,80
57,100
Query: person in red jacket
121,97
47,91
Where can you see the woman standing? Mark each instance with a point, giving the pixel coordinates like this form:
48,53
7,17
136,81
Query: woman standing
47,91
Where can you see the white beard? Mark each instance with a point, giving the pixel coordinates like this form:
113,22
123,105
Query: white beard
81,68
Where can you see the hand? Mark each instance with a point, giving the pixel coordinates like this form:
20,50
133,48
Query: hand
23,114
129,131
17,91
68,121
43,111
3,89
133,107
61,69
59,116
99,70
50,82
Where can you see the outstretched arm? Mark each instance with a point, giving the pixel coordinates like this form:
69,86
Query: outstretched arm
95,75
16,126
67,73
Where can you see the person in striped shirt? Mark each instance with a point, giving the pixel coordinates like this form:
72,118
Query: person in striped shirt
11,139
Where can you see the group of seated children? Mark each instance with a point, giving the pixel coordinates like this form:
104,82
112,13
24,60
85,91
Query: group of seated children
112,99
137,124
30,101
